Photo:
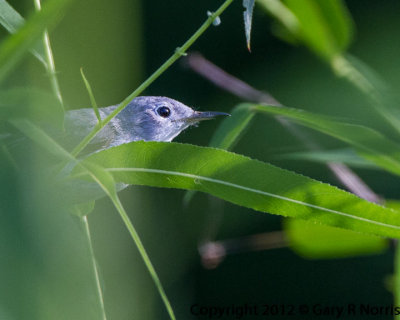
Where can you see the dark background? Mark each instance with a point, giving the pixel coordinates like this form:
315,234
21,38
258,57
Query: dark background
119,43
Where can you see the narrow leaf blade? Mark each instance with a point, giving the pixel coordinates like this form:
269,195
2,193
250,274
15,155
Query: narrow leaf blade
248,19
15,46
345,156
370,143
245,182
231,128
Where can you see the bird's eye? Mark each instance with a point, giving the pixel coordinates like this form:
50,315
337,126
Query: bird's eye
164,112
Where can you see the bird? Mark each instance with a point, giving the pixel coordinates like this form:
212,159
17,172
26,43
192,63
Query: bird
147,118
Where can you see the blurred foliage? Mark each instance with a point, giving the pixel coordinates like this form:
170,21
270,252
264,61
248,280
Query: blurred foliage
318,242
46,269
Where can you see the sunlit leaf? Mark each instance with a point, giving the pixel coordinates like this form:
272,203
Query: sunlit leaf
228,134
243,181
315,241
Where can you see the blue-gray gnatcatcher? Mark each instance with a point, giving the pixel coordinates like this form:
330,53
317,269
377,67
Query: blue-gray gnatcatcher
144,118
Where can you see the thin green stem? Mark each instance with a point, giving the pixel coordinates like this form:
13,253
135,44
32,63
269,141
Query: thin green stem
91,96
50,66
178,53
95,270
106,183
135,236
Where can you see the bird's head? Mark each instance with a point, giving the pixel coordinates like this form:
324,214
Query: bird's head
161,118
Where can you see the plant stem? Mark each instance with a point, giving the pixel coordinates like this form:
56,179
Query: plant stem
50,66
118,205
95,270
91,96
178,53
106,183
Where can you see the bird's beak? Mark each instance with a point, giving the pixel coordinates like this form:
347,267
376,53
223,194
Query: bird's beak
206,115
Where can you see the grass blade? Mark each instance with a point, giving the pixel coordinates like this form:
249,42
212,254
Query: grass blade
106,181
91,96
16,45
345,156
369,143
11,20
178,53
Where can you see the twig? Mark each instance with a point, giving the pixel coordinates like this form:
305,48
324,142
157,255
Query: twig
213,252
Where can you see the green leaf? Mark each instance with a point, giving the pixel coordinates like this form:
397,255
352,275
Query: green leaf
345,156
12,49
248,17
243,181
231,128
106,182
324,26
228,134
40,137
91,96
31,103
381,97
11,20
369,143
322,242
83,209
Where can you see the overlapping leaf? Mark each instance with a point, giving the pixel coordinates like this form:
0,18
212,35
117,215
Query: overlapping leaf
245,182
370,143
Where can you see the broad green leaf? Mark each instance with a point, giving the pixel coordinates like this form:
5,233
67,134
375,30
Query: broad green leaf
393,204
16,45
228,134
345,156
248,17
32,104
369,143
324,26
11,20
243,181
322,242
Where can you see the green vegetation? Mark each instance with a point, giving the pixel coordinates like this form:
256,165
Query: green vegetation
53,261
